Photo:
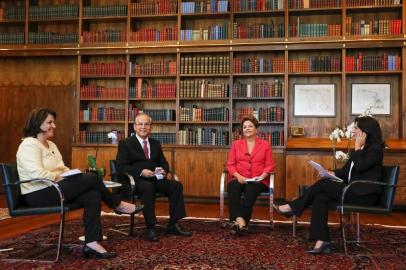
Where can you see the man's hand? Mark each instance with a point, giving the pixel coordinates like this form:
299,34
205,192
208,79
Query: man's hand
147,173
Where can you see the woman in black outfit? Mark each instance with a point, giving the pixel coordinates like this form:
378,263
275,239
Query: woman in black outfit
365,163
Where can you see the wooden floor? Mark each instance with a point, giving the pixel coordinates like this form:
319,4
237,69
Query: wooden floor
19,225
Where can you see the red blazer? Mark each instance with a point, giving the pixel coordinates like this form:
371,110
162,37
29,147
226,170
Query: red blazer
253,165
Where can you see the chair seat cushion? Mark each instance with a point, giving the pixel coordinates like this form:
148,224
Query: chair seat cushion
24,211
374,209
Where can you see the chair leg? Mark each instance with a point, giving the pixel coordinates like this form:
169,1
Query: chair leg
271,223
222,222
60,238
343,230
358,230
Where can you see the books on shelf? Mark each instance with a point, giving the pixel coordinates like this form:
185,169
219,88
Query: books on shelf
98,91
213,32
301,29
263,89
203,89
263,114
275,138
360,3
147,89
13,12
101,114
12,38
164,138
204,6
303,4
153,68
97,137
360,62
259,64
52,38
258,30
196,113
319,63
105,11
47,12
154,34
215,136
103,69
257,5
373,27
205,64
162,7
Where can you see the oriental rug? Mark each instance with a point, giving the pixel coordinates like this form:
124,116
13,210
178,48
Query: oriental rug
211,247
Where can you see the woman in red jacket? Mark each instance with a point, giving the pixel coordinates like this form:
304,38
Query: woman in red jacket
249,164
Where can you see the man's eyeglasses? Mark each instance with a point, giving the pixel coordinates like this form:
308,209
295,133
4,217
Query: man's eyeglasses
143,124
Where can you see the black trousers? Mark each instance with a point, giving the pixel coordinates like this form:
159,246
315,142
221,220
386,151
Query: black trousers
146,189
243,207
87,190
320,195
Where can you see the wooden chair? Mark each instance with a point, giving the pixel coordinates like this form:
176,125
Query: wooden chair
383,206
18,207
264,195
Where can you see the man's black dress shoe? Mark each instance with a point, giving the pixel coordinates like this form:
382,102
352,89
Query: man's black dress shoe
323,249
138,208
151,235
286,214
176,229
91,253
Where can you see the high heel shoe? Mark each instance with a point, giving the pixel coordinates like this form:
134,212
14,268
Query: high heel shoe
287,214
91,253
325,248
138,208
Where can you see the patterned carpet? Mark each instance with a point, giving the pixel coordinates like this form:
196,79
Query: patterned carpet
210,247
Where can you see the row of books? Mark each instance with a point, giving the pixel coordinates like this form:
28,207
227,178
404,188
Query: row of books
314,30
45,12
196,113
103,69
257,5
316,64
373,27
161,7
101,36
164,67
358,3
164,138
12,38
204,6
161,114
52,38
203,89
97,137
205,65
298,4
100,11
214,32
97,91
146,89
102,114
263,114
383,62
275,138
272,88
203,136
153,34
259,65
258,30
133,111
12,13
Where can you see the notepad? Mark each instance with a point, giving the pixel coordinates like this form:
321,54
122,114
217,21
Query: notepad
323,172
71,173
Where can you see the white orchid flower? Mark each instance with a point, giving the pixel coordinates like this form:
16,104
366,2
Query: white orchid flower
340,155
336,134
349,131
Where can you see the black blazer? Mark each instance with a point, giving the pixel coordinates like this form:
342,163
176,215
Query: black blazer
131,159
367,166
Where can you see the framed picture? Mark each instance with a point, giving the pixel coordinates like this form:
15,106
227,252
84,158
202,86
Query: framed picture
314,100
373,96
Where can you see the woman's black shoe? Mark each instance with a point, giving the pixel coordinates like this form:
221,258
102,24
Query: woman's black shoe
323,249
286,214
138,208
91,253
235,229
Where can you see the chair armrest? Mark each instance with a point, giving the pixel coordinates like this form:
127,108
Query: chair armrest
47,181
345,189
271,181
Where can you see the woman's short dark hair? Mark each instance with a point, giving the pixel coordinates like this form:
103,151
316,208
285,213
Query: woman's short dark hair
371,127
35,120
250,118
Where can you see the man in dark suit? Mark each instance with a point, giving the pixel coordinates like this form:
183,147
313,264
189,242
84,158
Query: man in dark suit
142,157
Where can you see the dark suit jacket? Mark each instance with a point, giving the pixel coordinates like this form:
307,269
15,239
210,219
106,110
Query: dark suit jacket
367,166
131,158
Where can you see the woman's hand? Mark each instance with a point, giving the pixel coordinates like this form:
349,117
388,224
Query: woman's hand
58,178
360,140
241,180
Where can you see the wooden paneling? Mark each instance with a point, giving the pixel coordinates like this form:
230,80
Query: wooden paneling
28,83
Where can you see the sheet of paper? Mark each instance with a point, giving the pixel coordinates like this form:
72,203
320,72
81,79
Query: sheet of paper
71,172
323,172
158,173
254,179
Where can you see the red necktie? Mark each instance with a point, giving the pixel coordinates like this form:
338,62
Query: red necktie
146,149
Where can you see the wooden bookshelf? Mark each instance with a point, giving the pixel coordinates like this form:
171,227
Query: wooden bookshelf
104,33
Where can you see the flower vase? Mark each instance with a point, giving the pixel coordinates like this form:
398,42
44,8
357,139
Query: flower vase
334,157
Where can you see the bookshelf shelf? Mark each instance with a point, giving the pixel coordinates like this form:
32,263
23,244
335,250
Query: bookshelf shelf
258,74
163,17
103,99
153,99
315,11
153,76
55,21
321,73
248,99
203,122
265,13
203,99
102,122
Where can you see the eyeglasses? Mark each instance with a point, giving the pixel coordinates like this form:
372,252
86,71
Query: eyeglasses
143,124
